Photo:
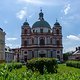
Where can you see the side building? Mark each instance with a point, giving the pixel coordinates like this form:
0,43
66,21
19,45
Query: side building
75,55
9,54
2,45
41,40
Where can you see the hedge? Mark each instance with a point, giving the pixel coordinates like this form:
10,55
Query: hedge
10,66
42,64
75,64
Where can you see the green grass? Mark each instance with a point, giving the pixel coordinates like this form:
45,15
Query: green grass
64,73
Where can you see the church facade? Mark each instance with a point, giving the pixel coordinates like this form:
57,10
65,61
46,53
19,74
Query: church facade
41,40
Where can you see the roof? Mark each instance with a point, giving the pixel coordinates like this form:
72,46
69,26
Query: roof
41,23
25,23
76,52
57,23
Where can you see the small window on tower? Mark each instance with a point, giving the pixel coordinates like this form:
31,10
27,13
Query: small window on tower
25,31
41,30
57,31
58,42
48,31
25,43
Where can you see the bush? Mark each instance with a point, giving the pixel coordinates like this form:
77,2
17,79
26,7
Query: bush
10,66
42,64
75,64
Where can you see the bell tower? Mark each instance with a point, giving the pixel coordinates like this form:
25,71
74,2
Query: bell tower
57,31
26,30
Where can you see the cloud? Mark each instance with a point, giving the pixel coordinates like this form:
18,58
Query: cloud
66,9
32,1
12,45
43,2
21,14
73,37
69,49
11,39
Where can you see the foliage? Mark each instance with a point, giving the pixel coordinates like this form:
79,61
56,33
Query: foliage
6,68
10,66
75,64
66,55
42,64
64,73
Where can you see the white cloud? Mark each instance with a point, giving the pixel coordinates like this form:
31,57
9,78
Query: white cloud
11,39
21,14
69,49
12,45
66,9
32,1
73,37
43,2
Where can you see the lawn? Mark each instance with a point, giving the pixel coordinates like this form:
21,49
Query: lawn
64,73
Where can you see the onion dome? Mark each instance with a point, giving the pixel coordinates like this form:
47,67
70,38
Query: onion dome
26,23
41,22
57,23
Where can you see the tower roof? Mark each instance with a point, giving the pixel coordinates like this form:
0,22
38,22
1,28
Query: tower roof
57,23
26,23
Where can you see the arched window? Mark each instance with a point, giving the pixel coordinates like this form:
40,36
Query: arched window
51,40
32,41
42,42
25,43
33,31
41,30
57,31
25,52
48,31
25,31
58,57
25,58
58,52
58,42
32,54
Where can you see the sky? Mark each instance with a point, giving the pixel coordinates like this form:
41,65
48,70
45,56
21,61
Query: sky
13,13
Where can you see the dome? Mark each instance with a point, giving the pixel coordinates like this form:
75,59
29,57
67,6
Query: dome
57,23
41,23
25,23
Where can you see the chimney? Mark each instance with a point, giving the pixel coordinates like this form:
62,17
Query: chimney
79,48
76,48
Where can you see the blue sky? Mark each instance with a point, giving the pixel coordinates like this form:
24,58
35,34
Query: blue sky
14,12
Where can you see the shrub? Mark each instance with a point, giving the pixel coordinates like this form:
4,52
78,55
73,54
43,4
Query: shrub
75,64
10,66
42,64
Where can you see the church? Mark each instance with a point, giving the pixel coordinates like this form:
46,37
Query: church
41,40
